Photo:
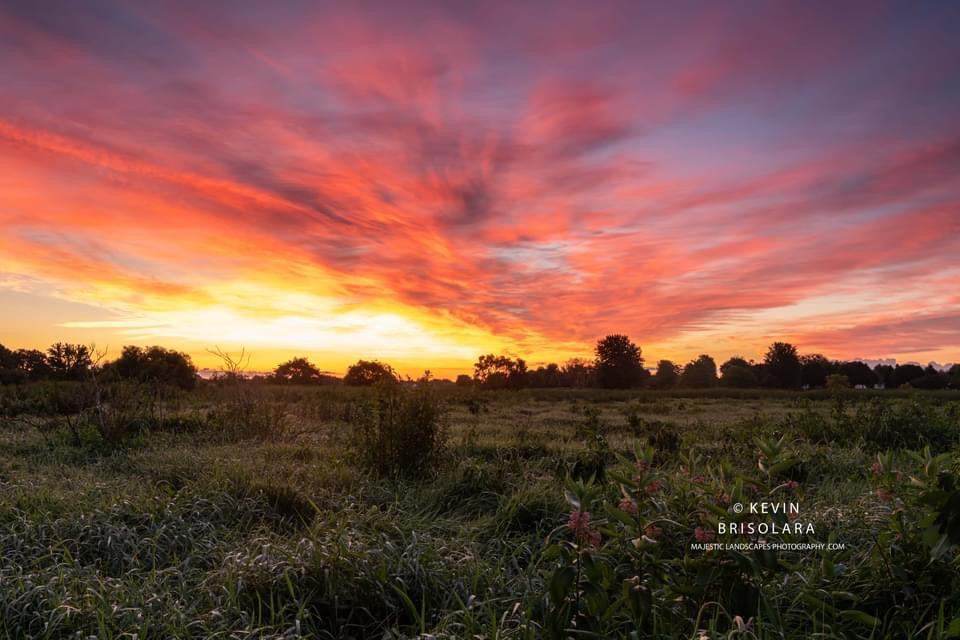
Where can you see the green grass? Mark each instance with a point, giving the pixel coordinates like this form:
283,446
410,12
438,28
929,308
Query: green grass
275,532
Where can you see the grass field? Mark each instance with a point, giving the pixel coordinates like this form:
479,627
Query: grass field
249,511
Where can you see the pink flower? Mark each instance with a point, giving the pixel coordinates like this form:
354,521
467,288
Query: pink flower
653,487
791,484
876,468
703,535
628,506
652,531
579,523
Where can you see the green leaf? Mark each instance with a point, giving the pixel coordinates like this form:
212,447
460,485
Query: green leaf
953,631
561,582
860,617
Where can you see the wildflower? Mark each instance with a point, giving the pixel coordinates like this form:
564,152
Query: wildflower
628,506
876,468
703,535
652,531
653,487
579,523
791,485
722,499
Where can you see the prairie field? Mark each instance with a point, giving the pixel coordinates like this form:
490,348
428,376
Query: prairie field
241,510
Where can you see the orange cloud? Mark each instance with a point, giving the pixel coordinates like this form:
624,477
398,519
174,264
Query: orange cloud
430,184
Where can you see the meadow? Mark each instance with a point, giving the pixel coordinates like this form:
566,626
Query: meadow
243,510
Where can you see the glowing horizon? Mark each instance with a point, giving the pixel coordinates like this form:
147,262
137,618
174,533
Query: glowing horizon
427,183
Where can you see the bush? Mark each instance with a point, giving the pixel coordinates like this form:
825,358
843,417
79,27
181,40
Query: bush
906,426
402,433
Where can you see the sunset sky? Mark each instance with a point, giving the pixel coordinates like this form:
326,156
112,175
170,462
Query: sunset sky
423,183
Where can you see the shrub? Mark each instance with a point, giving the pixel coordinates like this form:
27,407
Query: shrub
905,426
402,432
247,414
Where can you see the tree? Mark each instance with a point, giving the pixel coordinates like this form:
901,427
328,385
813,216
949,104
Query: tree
666,376
69,361
782,365
737,372
369,372
884,373
814,369
858,373
954,377
906,373
500,372
937,380
10,372
547,377
700,373
577,373
297,371
619,363
463,380
154,364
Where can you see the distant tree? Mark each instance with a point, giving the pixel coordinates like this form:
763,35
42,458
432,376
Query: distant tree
932,378
8,358
737,372
884,373
500,372
906,373
10,371
153,364
666,376
619,363
369,372
577,373
463,380
34,364
297,371
954,377
547,377
837,381
782,365
814,369
700,373
859,373
69,361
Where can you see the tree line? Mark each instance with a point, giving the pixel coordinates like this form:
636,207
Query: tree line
618,363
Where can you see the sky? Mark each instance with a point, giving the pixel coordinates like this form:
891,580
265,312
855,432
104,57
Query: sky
426,182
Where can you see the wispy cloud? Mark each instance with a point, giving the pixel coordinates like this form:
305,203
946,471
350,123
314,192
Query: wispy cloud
440,180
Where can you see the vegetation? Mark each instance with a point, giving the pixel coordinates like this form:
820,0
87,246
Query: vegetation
248,509
137,500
